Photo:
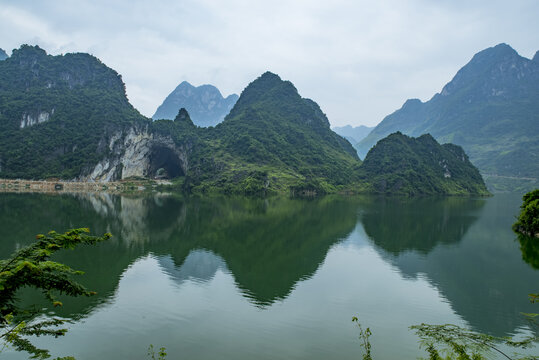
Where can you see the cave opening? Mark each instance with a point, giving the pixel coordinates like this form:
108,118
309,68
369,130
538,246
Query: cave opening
165,164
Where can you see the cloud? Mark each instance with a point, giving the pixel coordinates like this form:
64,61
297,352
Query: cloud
360,60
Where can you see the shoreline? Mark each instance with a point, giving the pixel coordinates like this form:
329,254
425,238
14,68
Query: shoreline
67,186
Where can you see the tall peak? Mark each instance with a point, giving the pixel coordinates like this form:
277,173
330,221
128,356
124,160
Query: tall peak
536,57
269,75
497,53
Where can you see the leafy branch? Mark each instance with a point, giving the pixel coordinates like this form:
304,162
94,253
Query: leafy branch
31,266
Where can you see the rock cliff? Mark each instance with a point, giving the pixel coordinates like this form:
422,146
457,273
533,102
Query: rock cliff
139,152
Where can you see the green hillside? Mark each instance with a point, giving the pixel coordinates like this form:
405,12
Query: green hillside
54,111
490,108
272,140
68,117
400,164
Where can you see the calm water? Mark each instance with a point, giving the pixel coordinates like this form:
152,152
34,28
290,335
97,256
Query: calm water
278,278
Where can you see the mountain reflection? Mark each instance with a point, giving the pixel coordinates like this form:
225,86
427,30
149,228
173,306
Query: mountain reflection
200,266
267,244
399,224
465,247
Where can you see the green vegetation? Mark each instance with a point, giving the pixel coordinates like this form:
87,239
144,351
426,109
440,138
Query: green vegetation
490,108
80,100
364,336
448,342
400,164
462,344
528,219
31,267
161,354
62,115
273,140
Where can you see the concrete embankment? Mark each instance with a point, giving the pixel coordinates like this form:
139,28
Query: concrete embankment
60,186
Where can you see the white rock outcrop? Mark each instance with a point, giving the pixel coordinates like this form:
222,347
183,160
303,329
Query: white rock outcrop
131,155
29,119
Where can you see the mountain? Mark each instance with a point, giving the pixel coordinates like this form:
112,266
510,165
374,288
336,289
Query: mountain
271,140
54,112
68,117
399,164
204,103
490,108
354,134
3,55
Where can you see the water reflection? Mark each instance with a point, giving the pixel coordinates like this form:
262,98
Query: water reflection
268,244
399,224
529,247
199,266
462,246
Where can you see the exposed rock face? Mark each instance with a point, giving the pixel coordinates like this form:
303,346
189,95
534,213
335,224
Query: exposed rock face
30,119
138,152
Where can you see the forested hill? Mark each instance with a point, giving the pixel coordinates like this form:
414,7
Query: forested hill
54,111
399,164
272,139
284,128
69,117
490,108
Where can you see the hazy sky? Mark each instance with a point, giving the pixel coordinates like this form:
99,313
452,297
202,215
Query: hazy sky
359,60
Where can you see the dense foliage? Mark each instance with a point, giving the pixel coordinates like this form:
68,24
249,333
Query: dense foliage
77,98
490,108
400,164
272,140
528,219
62,115
31,267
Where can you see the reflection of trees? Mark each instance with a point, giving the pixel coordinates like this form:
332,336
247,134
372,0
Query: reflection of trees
268,244
529,246
398,224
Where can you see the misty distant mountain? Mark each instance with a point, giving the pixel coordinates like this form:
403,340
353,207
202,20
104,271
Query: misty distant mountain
3,55
354,134
490,108
205,104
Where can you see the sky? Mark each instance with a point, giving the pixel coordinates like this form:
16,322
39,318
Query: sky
359,60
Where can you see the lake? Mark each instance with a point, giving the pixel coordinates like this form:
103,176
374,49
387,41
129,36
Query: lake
277,278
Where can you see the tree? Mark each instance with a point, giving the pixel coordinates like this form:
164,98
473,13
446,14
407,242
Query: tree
32,267
528,219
